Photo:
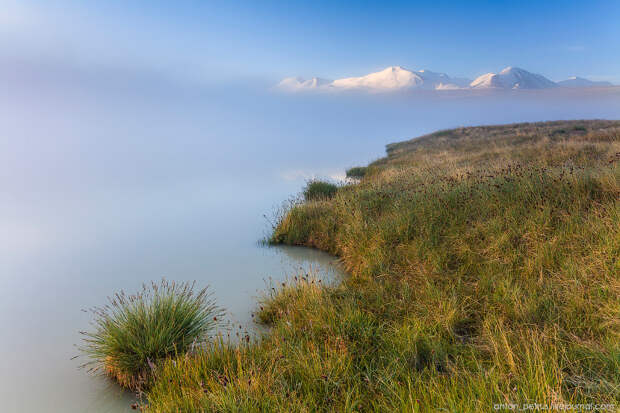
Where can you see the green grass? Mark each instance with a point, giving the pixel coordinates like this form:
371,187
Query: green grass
319,190
133,333
483,268
356,172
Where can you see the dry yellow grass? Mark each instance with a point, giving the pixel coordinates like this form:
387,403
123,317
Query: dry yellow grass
483,269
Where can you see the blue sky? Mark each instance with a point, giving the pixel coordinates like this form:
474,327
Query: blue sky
224,40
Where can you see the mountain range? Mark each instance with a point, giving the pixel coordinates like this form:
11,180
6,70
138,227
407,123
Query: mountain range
398,78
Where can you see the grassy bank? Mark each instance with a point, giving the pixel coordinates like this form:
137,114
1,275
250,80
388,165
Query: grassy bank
483,269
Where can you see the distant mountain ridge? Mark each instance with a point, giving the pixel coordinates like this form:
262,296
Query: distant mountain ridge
395,78
582,82
512,78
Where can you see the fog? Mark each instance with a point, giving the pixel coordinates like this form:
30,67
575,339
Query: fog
110,179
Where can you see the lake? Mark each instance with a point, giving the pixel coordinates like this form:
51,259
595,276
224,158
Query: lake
106,185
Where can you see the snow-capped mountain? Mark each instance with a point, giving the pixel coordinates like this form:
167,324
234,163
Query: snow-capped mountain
582,82
395,78
512,78
391,78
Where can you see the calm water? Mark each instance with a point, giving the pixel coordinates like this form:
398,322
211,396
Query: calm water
105,186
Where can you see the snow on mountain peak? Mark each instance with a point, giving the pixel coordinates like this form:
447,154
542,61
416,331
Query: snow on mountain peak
512,78
390,78
394,78
512,69
397,78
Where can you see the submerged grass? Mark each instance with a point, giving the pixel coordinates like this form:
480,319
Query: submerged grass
134,332
484,269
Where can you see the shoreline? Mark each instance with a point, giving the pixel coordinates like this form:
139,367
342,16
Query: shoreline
461,255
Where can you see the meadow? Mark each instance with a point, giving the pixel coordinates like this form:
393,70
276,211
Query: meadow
483,270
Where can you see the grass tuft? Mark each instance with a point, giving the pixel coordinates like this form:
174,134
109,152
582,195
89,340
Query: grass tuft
133,333
357,172
319,190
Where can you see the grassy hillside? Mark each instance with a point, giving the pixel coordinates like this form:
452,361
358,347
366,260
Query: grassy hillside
483,269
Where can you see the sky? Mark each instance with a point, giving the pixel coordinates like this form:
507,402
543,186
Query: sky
251,41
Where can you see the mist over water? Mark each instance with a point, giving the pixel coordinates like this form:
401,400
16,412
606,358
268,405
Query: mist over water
108,181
